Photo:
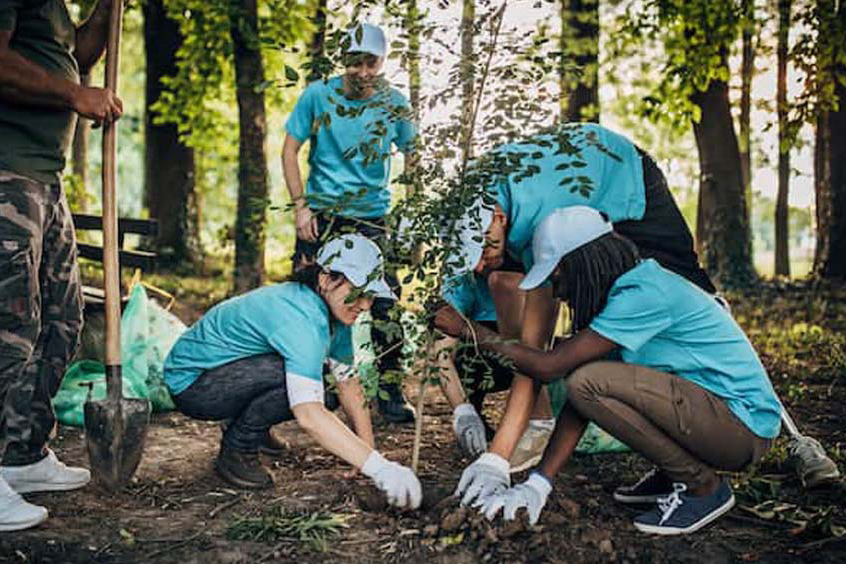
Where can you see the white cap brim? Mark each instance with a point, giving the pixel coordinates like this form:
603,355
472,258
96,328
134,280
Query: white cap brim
538,274
380,289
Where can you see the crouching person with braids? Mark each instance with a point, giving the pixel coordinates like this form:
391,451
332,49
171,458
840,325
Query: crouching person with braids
257,360
690,393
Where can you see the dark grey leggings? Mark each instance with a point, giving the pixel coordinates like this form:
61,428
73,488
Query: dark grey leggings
251,392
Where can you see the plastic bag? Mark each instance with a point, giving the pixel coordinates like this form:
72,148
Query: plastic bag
147,333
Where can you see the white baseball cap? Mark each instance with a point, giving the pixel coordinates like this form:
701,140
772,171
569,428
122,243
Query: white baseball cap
469,236
560,233
360,260
368,38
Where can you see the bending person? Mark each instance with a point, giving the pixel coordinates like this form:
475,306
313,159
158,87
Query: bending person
690,395
574,164
257,359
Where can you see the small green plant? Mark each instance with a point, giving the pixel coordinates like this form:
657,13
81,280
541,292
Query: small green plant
278,524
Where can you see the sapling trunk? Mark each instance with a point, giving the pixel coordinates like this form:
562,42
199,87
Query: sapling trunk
418,422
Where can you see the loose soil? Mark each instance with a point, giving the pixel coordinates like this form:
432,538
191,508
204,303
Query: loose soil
178,510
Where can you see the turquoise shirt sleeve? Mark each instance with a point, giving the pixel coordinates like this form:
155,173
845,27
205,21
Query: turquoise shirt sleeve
302,348
404,130
633,315
341,348
302,116
458,293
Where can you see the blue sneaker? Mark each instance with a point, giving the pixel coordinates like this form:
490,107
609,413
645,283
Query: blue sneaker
681,513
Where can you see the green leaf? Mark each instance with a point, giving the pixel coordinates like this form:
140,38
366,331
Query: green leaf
291,73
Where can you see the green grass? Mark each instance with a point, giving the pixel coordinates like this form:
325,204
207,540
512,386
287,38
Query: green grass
278,524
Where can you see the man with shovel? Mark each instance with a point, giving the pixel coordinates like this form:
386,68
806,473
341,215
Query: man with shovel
42,55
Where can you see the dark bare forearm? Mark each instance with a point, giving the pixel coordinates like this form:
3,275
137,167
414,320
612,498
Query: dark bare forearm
547,366
568,430
24,82
91,36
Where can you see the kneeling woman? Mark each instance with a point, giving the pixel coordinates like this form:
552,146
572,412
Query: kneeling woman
257,360
690,395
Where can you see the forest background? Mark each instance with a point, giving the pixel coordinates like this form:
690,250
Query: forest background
765,189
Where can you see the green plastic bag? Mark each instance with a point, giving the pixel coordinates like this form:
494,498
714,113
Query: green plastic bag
148,332
595,440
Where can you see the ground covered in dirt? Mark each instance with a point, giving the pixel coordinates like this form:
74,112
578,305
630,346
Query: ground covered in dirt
178,510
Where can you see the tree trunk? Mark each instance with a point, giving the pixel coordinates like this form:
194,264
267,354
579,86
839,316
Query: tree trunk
747,70
79,148
317,48
252,158
468,75
723,227
580,44
830,161
169,190
782,259
412,26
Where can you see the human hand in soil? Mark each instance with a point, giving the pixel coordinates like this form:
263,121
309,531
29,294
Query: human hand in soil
448,320
469,429
531,495
398,482
487,476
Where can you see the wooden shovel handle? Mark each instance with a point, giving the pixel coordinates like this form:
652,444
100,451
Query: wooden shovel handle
111,267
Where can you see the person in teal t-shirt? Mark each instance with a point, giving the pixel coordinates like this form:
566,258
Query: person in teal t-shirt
512,188
690,393
351,122
257,359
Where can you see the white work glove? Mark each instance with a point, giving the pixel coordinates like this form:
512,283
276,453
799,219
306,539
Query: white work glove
531,494
487,476
399,483
469,429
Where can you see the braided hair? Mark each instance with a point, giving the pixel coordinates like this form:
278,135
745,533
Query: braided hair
586,274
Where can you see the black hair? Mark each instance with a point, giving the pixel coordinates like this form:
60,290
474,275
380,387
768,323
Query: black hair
308,276
586,274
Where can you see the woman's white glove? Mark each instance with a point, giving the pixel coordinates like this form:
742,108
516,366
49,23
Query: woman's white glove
531,494
399,483
487,476
469,429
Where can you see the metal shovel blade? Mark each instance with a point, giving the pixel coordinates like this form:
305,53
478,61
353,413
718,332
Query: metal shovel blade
115,428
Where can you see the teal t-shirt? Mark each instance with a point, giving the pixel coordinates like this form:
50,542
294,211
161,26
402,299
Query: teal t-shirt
577,164
667,323
350,155
470,295
288,319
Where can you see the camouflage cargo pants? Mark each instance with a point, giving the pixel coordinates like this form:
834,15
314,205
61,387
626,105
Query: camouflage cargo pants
40,311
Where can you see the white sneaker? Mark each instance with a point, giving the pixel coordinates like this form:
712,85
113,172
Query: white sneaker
16,513
811,463
529,449
47,475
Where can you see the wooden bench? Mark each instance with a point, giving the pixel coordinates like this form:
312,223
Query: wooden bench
145,260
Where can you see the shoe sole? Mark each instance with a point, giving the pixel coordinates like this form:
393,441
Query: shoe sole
36,487
525,465
21,525
638,499
659,530
240,482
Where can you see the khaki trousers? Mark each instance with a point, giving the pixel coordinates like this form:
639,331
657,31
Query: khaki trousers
684,429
